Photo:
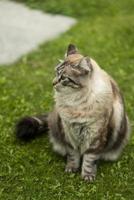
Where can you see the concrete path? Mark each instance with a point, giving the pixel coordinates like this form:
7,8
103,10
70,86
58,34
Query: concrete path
23,29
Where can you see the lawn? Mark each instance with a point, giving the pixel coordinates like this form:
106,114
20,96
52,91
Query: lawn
105,31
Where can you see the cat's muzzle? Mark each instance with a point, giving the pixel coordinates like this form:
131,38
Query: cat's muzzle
56,84
55,81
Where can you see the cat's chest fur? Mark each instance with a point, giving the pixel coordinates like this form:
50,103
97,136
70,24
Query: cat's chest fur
74,133
80,124
79,135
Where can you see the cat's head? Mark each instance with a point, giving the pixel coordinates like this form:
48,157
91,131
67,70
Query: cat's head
73,72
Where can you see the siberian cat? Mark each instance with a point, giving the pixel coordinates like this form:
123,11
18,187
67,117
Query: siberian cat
89,120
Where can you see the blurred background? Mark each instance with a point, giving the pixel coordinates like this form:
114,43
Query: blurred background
33,36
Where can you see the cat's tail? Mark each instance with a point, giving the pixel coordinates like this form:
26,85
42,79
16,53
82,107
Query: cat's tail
29,128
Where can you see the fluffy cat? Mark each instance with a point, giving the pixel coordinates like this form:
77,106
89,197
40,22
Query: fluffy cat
89,121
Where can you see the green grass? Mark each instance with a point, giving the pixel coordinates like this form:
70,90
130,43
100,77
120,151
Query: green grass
105,31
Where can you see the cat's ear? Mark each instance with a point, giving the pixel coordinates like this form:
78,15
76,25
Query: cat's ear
71,49
86,65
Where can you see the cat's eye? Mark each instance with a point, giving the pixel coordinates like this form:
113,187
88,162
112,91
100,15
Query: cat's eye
69,79
63,77
72,81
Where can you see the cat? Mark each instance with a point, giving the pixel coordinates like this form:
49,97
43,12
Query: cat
88,122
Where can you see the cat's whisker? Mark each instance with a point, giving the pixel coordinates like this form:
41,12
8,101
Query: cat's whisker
60,60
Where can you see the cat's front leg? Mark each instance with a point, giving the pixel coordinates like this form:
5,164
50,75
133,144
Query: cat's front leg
73,161
89,167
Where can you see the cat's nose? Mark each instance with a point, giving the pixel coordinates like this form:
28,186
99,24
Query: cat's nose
55,81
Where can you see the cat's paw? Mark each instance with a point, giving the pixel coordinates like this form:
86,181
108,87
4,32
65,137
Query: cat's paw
89,177
69,169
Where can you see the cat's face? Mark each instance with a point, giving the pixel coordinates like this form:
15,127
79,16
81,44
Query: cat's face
73,72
